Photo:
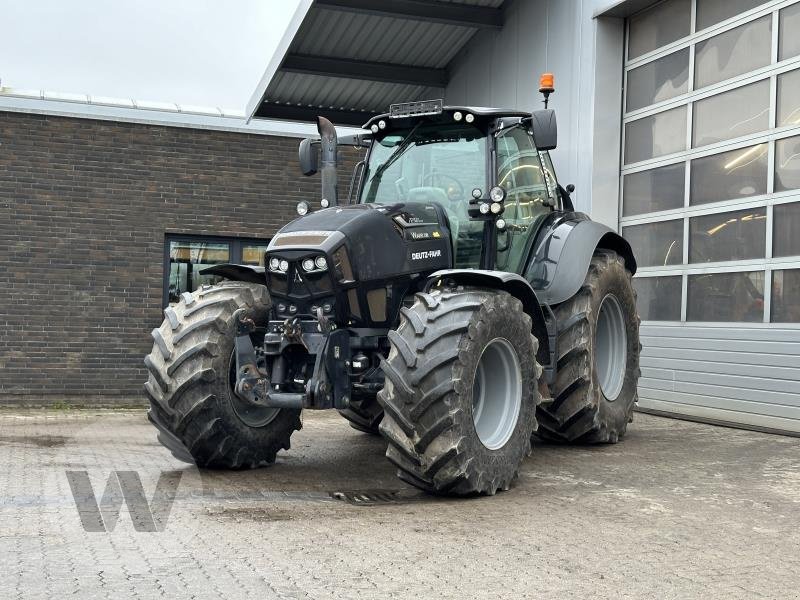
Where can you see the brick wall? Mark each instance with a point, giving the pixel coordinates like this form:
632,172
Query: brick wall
84,209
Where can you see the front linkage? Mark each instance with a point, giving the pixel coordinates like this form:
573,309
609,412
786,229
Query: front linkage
322,371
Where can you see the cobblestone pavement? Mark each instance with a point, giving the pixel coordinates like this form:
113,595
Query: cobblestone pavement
678,510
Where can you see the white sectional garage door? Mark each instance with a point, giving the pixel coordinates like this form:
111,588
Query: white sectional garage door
711,204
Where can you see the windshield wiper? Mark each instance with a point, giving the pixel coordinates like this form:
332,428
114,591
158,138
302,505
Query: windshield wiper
398,152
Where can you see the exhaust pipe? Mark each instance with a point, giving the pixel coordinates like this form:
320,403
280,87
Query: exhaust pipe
327,134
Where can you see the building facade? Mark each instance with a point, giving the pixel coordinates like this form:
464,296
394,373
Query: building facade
103,223
679,125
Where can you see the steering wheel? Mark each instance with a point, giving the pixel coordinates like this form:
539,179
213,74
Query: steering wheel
453,195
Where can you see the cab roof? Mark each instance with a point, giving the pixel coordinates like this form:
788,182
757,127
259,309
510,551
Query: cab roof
412,111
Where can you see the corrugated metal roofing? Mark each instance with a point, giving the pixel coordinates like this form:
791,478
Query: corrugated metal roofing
328,31
340,93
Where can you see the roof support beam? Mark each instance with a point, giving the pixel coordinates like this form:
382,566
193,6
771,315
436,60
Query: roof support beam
291,112
442,12
359,69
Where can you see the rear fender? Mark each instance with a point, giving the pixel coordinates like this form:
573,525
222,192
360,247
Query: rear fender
508,282
233,272
563,252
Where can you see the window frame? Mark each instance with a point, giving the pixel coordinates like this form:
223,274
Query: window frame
768,200
235,245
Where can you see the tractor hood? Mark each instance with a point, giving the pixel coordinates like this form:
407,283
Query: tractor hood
382,241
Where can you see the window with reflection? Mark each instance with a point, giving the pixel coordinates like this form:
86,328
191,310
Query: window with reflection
653,190
735,235
729,175
187,258
658,26
656,244
658,298
658,80
787,164
735,113
733,52
785,296
735,297
519,172
789,98
253,254
187,255
711,12
786,229
788,40
656,135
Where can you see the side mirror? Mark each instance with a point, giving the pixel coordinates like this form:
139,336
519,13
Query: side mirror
309,156
545,130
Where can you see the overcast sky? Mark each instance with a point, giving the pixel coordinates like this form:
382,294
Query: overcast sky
201,52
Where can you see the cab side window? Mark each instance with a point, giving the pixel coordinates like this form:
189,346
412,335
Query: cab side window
520,173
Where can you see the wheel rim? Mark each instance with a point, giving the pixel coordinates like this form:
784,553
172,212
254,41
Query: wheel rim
496,394
250,414
611,347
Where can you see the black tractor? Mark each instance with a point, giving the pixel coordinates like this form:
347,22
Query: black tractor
455,304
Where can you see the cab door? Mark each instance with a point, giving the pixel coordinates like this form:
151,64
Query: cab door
528,197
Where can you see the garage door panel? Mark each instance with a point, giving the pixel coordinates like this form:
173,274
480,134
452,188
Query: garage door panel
773,410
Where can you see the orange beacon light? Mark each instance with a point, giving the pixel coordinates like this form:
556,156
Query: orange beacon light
546,86
547,83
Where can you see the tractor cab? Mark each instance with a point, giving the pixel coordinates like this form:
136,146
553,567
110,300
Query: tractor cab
489,169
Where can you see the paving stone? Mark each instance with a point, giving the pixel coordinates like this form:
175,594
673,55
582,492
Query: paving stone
677,510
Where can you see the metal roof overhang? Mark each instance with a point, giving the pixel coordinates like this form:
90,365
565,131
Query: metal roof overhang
349,59
622,8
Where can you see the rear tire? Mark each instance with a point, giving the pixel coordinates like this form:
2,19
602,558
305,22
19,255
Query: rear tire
598,365
461,392
190,388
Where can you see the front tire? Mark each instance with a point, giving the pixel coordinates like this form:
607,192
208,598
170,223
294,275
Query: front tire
598,366
190,384
461,392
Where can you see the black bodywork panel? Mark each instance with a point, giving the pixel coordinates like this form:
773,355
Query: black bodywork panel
561,253
253,274
376,255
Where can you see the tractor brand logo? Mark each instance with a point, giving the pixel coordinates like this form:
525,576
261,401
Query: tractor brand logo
426,254
436,234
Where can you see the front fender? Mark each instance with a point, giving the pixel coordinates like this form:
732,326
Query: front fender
233,272
563,252
508,282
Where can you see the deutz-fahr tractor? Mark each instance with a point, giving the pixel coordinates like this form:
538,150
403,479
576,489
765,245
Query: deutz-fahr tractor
456,304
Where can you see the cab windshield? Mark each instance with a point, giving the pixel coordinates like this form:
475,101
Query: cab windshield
433,162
